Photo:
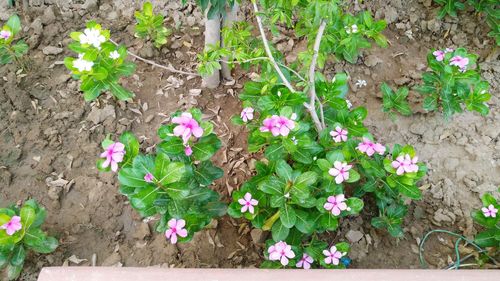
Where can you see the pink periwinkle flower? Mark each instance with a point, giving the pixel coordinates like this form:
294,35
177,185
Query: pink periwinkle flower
5,34
176,228
340,171
333,256
148,177
114,154
305,262
369,147
405,164
336,204
281,251
188,150
277,125
247,114
339,134
491,211
12,226
187,127
248,203
439,55
461,62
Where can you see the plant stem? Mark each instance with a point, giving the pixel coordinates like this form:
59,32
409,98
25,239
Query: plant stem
169,67
270,221
312,80
266,58
268,50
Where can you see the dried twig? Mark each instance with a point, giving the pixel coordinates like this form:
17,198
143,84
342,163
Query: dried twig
169,67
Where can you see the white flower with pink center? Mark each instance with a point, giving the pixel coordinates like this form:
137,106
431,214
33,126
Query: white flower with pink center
5,34
405,164
282,252
340,171
339,134
248,203
336,204
333,256
12,226
187,127
176,228
247,114
490,211
305,262
114,154
369,147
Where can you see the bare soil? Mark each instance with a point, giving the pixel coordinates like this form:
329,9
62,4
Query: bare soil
50,138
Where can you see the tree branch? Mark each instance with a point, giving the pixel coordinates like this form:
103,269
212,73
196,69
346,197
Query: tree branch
169,67
320,125
268,50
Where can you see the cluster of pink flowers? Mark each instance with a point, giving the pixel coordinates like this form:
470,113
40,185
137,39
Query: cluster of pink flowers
340,171
339,134
277,125
114,154
176,228
248,203
305,262
461,62
336,204
187,127
405,164
333,256
5,34
490,211
439,54
247,114
369,147
12,226
281,251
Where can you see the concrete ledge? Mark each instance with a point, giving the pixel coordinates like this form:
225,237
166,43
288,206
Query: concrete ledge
165,274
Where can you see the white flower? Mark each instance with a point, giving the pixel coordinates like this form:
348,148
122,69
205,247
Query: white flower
82,65
295,141
92,37
349,104
361,83
294,116
114,55
351,29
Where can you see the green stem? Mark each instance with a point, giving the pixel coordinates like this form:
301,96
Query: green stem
270,221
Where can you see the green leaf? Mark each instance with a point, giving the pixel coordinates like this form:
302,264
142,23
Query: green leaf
275,152
304,223
131,146
488,238
18,256
306,179
273,186
131,177
13,271
206,147
206,173
355,204
119,92
284,170
288,216
14,24
28,215
174,173
410,191
279,231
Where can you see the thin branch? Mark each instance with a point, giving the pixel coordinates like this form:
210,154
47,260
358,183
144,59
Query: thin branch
169,67
266,58
268,50
312,79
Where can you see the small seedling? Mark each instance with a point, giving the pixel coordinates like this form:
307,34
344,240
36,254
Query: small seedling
10,49
395,102
150,26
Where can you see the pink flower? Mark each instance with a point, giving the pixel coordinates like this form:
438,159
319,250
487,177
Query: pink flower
336,204
368,147
5,34
333,256
187,127
439,55
248,203
114,154
247,114
305,261
176,228
148,177
277,125
405,164
12,226
281,251
491,211
339,134
461,62
188,150
340,171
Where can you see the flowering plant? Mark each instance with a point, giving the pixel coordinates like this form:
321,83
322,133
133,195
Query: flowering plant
151,26
20,232
395,101
489,218
453,81
9,50
174,181
100,63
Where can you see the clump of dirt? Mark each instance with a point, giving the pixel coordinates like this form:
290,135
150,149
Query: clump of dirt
50,138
